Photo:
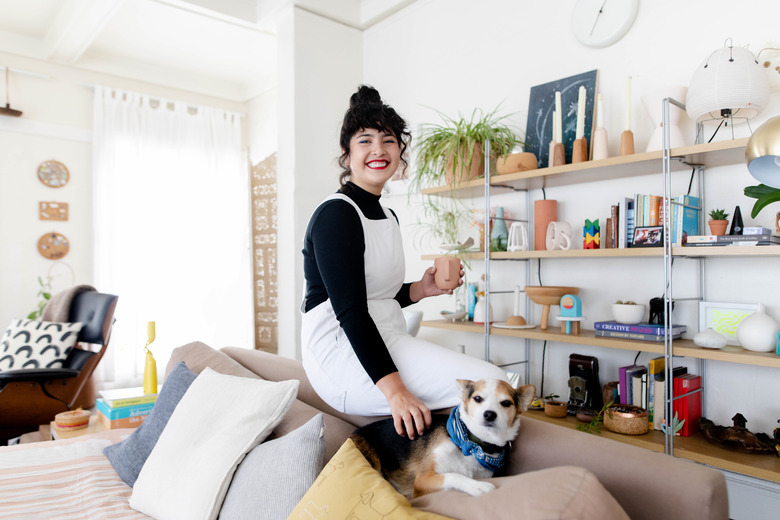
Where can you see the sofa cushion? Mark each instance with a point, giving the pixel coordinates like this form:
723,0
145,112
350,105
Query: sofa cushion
198,356
37,344
275,475
217,422
564,492
348,487
129,456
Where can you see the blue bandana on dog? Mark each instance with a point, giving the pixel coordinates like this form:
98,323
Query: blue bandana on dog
464,440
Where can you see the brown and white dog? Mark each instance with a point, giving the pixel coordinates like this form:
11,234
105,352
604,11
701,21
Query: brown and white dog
472,442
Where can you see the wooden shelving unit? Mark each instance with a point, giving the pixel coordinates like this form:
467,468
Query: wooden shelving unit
695,448
709,155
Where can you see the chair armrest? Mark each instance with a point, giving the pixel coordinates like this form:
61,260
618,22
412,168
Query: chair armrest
36,374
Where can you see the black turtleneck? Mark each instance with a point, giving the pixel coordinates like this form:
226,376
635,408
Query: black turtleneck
333,266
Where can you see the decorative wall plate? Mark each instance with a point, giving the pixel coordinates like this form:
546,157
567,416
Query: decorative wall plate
53,246
53,174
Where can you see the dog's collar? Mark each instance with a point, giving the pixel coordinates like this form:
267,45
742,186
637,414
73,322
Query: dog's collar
488,455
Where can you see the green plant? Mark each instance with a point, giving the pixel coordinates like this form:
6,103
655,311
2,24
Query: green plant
718,214
451,145
595,424
44,293
764,196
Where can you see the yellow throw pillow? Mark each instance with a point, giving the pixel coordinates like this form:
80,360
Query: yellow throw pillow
348,487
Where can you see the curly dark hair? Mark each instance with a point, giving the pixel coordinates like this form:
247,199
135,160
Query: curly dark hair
366,110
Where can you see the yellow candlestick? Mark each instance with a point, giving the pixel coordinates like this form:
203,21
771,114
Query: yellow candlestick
150,365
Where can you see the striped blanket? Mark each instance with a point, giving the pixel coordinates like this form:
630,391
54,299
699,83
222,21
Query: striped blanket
68,479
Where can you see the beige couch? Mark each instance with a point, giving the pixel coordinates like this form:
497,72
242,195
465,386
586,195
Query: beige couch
645,484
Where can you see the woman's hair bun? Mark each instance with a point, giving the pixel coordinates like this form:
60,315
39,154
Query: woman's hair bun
365,95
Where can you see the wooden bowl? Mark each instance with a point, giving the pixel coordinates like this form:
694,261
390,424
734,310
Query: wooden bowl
516,162
627,419
556,409
546,295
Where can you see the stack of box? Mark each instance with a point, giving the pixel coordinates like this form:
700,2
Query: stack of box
125,407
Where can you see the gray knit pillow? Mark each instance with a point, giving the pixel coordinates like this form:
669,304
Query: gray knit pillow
275,475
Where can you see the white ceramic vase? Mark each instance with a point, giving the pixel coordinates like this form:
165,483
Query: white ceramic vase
758,332
479,312
653,102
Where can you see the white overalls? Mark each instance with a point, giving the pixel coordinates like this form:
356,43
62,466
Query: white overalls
428,370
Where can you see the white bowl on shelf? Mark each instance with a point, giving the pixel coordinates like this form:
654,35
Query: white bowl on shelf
628,314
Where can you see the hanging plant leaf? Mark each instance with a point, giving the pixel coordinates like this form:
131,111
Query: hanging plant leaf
764,196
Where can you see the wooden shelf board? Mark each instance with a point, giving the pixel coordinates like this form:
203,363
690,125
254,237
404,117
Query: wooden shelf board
681,347
695,448
720,153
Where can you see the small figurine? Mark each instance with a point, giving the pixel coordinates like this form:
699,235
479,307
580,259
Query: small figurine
590,234
571,314
657,310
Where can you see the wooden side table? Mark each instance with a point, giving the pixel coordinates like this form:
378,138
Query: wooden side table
94,426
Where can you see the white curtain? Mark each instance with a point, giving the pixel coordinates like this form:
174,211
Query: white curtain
172,236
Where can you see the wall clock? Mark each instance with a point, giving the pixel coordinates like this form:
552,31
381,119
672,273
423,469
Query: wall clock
53,246
600,23
53,174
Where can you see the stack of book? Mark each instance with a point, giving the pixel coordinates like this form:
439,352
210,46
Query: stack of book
640,331
124,407
644,386
763,237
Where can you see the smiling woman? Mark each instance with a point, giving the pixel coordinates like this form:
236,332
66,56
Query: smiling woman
355,346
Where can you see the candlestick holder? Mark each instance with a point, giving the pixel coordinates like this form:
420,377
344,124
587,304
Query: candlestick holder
600,144
579,150
627,143
558,157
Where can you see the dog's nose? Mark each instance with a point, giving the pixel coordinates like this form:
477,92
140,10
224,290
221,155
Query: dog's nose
489,415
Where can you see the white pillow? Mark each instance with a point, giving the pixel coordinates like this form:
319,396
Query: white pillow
37,344
217,422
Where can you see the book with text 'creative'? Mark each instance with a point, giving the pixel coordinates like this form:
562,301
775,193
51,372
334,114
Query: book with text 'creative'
123,411
119,397
688,407
624,383
640,328
634,335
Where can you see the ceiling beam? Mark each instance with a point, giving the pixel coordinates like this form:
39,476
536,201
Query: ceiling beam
76,26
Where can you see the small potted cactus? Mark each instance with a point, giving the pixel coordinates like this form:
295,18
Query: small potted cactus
718,221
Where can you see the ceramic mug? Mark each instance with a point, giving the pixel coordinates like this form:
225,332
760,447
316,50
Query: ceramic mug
518,237
558,236
447,273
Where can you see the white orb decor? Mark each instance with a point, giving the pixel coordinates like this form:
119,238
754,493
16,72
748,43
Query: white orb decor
710,339
758,332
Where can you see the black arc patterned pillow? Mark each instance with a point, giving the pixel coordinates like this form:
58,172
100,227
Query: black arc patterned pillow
37,344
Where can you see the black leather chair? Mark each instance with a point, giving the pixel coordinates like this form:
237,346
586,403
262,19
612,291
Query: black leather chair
31,397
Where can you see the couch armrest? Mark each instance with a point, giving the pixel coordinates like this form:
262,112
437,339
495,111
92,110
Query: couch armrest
648,485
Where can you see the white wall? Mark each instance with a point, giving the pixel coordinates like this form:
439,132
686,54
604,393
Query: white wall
320,67
456,55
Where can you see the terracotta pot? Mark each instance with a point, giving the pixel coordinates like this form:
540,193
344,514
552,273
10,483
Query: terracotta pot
447,274
545,211
555,409
465,172
718,227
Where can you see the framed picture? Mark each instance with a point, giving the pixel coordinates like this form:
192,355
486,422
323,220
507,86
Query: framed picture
650,236
723,318
541,104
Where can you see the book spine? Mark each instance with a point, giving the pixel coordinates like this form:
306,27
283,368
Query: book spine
121,413
127,422
613,212
131,401
633,335
690,213
640,329
742,238
653,216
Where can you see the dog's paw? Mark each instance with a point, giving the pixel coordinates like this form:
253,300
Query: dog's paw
478,487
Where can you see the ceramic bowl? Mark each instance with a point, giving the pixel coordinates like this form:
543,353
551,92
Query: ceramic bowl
628,314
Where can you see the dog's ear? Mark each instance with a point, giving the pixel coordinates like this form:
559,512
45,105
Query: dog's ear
466,387
524,395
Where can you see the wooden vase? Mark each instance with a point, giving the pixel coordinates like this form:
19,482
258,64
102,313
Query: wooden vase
545,211
579,150
559,155
627,143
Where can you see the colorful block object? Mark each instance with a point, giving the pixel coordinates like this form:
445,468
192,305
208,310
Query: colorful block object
590,234
571,313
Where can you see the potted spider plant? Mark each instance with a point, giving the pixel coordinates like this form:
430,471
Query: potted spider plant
764,196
